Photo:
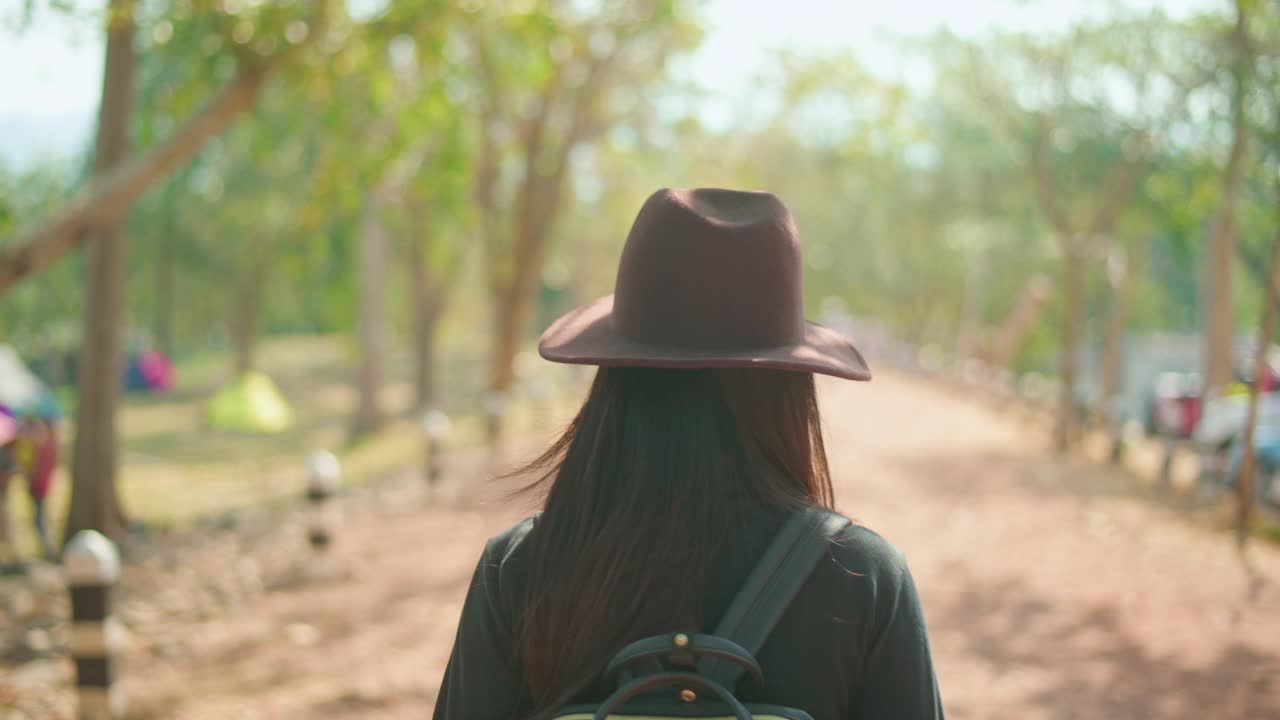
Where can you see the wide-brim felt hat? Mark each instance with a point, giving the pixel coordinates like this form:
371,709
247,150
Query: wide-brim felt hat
709,278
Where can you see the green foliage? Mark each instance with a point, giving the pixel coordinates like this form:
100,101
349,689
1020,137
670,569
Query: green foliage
37,314
910,197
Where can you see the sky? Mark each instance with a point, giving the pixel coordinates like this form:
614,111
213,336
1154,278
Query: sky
52,73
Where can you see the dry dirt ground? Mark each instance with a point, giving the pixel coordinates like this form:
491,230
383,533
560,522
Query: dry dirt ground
1052,589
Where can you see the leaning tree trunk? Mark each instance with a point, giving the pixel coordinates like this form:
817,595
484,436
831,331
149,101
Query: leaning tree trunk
1073,320
372,317
1013,332
109,194
95,503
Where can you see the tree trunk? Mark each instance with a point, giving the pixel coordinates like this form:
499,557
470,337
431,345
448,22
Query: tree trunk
1219,315
94,502
1248,469
1073,319
968,341
246,316
535,216
1249,466
372,331
537,207
1219,311
510,318
165,269
1122,279
426,304
425,358
1013,332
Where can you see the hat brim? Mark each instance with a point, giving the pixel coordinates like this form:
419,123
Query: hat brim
589,336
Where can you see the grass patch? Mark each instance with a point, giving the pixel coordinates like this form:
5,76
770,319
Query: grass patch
175,471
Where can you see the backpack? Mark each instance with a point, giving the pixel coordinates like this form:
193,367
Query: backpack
681,675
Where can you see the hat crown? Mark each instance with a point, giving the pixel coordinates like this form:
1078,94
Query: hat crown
711,268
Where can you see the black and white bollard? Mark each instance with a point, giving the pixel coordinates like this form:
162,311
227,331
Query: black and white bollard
436,426
324,517
91,565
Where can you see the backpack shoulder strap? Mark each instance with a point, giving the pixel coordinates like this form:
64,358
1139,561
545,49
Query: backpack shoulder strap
783,569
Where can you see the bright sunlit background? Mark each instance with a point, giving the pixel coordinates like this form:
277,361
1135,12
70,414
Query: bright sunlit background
54,69
340,225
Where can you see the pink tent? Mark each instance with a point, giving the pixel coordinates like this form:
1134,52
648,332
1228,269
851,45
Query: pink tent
157,370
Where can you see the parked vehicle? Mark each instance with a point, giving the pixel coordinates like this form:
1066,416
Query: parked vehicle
1160,384
1223,419
1266,447
1175,405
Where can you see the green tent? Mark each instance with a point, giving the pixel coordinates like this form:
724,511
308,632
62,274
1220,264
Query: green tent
250,403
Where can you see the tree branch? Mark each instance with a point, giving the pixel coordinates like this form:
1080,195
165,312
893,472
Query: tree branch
1042,179
107,198
1119,185
540,198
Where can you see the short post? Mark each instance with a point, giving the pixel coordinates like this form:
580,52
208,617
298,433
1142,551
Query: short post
436,426
91,565
324,474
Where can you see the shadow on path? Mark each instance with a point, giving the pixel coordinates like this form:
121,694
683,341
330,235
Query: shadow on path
1086,664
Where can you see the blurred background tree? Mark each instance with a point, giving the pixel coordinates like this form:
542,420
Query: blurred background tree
423,178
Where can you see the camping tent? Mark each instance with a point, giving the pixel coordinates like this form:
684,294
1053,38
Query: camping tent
21,390
149,371
251,403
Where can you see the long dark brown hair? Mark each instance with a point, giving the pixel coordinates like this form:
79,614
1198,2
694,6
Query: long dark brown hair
640,490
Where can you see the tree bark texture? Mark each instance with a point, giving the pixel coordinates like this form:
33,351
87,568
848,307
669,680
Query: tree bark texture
1219,308
95,504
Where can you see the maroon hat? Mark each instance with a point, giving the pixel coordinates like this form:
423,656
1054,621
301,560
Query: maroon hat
709,278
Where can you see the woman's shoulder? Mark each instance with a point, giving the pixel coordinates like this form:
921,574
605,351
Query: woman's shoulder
863,552
507,545
503,545
857,550
503,570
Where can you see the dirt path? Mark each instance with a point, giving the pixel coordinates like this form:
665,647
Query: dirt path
1051,592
